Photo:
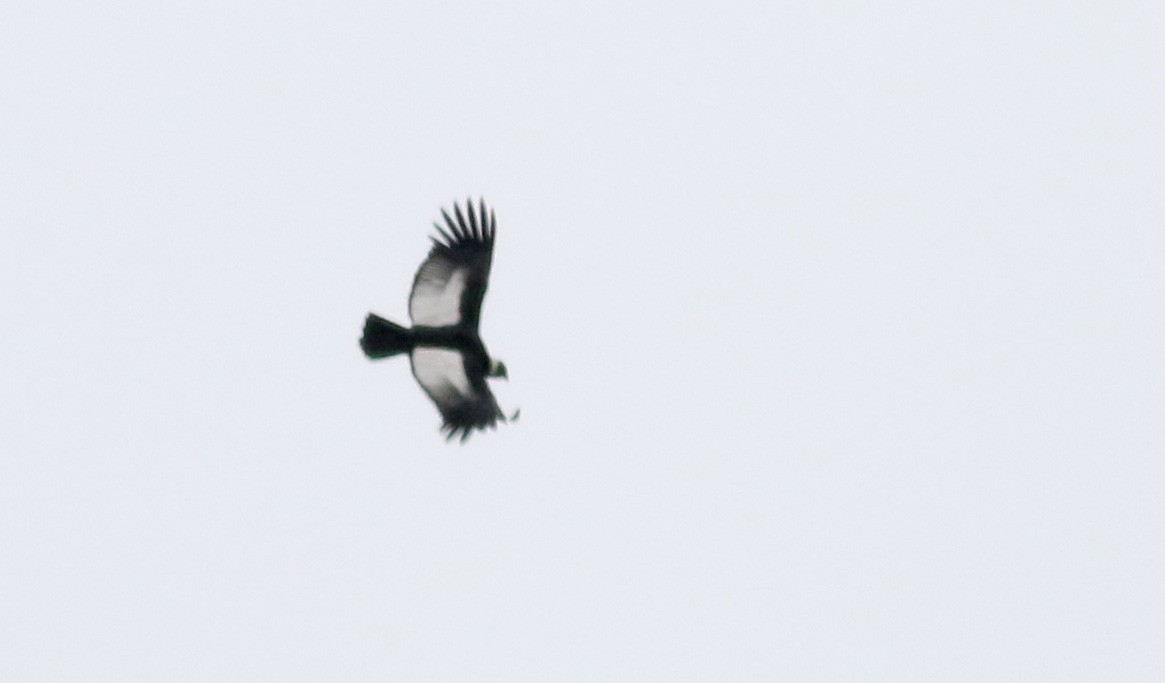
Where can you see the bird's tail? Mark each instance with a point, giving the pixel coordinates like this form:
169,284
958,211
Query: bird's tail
383,338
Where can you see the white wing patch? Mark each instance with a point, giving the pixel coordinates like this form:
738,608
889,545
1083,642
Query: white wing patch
436,297
442,374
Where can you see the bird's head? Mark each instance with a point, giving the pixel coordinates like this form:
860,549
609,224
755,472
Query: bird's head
498,369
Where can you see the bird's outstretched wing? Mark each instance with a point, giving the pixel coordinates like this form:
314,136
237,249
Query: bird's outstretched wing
450,285
461,393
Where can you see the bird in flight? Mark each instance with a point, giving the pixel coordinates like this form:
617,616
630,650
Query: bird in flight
448,357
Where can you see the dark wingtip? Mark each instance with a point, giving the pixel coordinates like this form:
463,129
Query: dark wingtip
452,226
454,431
443,234
480,226
475,230
465,234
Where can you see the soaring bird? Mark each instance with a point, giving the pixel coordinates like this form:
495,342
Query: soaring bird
448,357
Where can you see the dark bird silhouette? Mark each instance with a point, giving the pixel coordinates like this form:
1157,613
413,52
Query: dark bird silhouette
448,357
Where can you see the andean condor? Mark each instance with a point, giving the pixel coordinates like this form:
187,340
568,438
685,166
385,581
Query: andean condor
448,357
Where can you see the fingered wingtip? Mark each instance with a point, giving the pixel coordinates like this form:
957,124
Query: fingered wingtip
450,223
474,230
475,223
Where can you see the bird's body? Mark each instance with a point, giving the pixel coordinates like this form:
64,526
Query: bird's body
448,358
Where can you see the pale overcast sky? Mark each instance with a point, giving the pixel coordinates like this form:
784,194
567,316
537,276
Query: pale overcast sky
836,329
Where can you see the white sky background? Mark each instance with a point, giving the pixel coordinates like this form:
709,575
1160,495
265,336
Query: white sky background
836,329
